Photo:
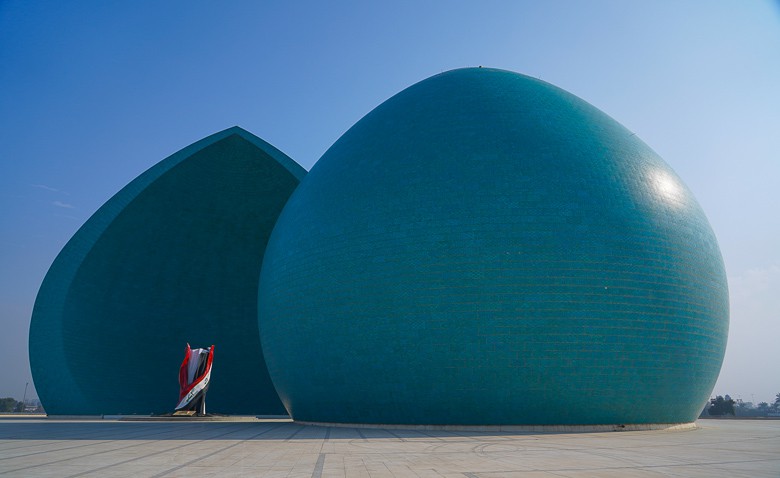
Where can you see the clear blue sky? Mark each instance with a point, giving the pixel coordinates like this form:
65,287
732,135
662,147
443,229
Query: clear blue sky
94,93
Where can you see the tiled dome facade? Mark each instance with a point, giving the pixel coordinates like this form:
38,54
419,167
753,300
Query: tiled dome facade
487,249
174,257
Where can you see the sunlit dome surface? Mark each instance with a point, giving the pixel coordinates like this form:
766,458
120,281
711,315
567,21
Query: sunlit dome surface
485,248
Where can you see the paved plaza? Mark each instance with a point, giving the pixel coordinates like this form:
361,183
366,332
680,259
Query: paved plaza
281,448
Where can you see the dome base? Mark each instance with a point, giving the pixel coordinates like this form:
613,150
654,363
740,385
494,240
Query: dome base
518,428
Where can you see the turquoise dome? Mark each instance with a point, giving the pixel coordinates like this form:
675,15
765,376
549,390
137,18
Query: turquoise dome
174,257
485,248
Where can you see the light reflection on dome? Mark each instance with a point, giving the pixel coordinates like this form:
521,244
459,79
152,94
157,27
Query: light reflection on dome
668,187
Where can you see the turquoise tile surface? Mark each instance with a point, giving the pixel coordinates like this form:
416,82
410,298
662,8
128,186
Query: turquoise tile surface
486,248
172,258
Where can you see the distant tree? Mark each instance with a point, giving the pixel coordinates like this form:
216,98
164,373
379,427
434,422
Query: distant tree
7,404
720,406
776,405
744,409
763,407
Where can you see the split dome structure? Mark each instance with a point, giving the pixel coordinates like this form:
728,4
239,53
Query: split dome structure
174,257
481,249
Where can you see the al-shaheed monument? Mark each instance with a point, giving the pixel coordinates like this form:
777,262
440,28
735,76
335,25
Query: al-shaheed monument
483,248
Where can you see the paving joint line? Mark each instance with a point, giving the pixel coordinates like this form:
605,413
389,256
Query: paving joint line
152,454
95,453
171,470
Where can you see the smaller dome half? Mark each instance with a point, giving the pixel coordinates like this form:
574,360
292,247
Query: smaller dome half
174,257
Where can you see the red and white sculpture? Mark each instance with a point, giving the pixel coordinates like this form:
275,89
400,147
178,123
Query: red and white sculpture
194,379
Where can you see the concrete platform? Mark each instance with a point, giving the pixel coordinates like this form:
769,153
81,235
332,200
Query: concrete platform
280,448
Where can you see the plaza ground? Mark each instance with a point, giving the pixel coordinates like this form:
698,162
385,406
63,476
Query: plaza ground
35,447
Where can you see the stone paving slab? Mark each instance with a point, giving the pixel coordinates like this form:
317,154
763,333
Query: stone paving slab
281,448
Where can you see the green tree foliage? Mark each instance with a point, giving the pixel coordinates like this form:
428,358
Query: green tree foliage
720,406
8,404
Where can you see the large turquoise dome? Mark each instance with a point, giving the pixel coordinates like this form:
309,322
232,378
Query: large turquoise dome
485,248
